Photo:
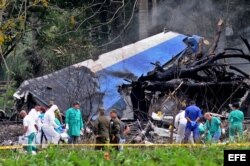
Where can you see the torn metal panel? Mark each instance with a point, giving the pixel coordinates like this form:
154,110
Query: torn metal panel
63,87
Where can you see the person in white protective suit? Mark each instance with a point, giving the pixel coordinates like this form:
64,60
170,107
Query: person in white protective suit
35,112
49,125
180,125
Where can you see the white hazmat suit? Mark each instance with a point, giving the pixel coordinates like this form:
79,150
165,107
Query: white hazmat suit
49,125
180,125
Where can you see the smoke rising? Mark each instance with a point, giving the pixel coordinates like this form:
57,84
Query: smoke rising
200,17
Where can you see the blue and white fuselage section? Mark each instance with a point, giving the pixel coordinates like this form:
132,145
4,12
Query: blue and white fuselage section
134,58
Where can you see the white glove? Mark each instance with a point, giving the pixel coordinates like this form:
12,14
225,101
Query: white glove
223,131
67,127
81,133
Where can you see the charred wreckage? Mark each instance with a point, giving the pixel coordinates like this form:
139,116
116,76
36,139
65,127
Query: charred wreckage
213,80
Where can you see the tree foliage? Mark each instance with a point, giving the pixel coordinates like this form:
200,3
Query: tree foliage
41,36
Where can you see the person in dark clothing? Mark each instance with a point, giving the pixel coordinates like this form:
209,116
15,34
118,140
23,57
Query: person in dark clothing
102,129
114,128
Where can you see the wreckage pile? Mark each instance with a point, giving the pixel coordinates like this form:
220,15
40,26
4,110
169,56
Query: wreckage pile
212,79
9,133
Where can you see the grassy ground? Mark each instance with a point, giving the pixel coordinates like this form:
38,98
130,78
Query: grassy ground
176,156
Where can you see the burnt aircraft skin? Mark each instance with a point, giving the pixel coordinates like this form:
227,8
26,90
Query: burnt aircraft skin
74,83
211,82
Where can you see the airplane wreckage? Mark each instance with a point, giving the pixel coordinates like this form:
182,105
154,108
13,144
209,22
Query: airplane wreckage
149,76
147,83
214,81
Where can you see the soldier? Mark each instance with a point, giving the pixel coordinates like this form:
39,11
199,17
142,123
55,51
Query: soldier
114,128
102,129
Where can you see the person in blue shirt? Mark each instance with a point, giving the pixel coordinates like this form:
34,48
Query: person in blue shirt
192,114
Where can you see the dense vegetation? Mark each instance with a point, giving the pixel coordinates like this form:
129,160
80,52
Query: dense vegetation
131,156
40,36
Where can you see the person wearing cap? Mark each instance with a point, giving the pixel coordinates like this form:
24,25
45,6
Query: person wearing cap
29,129
212,128
114,128
101,129
235,118
49,125
74,123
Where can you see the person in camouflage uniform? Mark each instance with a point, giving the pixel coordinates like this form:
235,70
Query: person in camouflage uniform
114,128
101,129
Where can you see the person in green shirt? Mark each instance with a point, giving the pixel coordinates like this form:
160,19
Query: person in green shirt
212,127
201,127
74,123
235,119
60,128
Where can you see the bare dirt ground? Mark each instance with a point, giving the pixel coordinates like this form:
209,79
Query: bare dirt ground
10,132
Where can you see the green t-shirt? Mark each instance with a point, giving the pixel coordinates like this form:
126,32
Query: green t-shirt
213,125
235,116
